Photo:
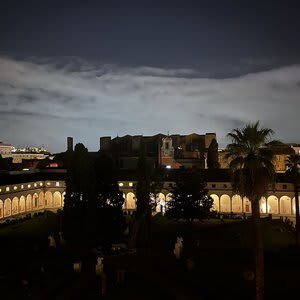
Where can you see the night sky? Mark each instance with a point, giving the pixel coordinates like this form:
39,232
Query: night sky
95,68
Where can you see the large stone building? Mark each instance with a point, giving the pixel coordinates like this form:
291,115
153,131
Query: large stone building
281,155
171,151
44,188
5,150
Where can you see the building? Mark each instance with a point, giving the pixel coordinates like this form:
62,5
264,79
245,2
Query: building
280,157
44,188
5,150
170,151
29,153
26,192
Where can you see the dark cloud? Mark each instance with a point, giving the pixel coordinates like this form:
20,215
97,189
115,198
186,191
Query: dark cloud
42,102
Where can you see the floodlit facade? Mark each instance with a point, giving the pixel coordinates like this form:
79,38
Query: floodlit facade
29,196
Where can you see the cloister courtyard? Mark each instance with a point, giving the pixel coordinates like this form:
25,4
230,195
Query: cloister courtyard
217,262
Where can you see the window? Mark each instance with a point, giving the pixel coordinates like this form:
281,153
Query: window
22,186
167,145
15,187
48,183
29,186
41,184
284,186
35,185
121,184
56,183
130,184
213,185
225,186
7,189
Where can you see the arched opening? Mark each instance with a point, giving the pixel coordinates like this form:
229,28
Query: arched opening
161,203
225,203
247,205
28,202
263,205
237,204
273,205
7,207
130,201
35,201
15,206
41,199
168,197
57,199
285,205
216,203
48,199
22,205
294,204
1,209
63,199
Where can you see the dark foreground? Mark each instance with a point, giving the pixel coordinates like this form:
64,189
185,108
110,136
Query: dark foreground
217,261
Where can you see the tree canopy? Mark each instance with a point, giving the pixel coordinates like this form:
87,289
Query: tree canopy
189,197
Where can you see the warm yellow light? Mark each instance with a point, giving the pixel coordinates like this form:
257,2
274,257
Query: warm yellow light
41,184
121,184
130,184
29,186
35,185
15,187
7,188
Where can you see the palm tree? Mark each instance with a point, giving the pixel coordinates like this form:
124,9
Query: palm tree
293,171
251,163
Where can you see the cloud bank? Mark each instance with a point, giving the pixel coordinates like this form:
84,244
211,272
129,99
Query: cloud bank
42,101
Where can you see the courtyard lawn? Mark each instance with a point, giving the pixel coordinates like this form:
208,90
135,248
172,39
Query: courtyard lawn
35,227
216,257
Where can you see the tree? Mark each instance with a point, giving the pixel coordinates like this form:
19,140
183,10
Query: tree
189,199
78,191
253,171
140,230
293,172
213,155
108,200
93,204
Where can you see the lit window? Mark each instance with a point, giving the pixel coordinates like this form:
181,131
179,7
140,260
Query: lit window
168,167
22,186
130,184
56,183
35,185
41,184
7,188
29,186
0,190
15,187
48,183
121,184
